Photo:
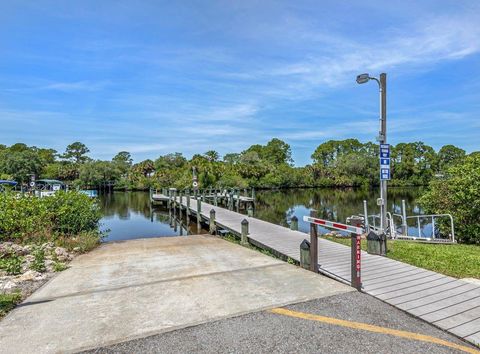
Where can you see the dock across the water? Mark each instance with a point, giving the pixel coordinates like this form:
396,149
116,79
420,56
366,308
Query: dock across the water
448,303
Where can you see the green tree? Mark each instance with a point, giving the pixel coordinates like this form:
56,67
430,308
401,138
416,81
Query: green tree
449,155
76,153
458,194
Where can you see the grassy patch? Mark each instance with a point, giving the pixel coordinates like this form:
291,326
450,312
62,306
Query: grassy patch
460,261
8,302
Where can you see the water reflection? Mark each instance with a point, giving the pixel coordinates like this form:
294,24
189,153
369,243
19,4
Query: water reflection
129,215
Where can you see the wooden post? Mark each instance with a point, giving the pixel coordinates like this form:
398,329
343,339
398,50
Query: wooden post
294,223
199,215
238,200
213,228
215,198
174,208
313,244
230,200
250,210
244,239
188,211
253,193
180,206
356,251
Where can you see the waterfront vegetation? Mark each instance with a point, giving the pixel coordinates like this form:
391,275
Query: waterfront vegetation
460,261
343,163
452,175
67,218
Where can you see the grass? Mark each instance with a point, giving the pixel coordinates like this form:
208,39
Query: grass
8,302
456,260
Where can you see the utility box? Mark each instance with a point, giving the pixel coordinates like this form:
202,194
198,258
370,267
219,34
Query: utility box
374,243
305,254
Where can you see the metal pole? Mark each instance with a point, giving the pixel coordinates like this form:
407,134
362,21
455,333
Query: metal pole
365,215
313,244
404,216
382,138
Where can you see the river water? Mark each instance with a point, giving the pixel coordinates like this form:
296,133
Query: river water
128,215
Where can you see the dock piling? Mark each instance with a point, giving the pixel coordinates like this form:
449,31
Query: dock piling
294,223
313,244
199,215
213,228
244,239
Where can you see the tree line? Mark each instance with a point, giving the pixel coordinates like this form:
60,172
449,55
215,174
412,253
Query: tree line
335,163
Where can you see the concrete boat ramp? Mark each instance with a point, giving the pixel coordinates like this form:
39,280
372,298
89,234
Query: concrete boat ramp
136,288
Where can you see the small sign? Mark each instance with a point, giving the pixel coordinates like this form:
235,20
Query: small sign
32,184
384,151
385,174
195,184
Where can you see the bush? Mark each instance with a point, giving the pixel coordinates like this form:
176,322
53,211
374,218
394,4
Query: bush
31,218
38,263
12,265
458,194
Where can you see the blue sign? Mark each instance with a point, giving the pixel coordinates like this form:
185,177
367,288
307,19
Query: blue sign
384,162
384,174
384,151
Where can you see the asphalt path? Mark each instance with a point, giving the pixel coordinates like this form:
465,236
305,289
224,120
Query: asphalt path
366,327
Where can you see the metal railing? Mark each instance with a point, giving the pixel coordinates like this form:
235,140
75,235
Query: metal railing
402,232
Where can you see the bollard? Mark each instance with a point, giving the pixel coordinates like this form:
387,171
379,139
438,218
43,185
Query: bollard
238,200
250,210
199,215
213,228
294,223
244,239
180,197
305,254
356,251
313,244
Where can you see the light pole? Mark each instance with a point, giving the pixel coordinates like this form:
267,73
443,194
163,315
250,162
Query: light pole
382,139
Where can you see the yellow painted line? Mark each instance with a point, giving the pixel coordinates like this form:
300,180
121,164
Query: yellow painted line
372,328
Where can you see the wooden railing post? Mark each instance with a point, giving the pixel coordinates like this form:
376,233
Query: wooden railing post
313,244
199,215
213,228
244,234
294,223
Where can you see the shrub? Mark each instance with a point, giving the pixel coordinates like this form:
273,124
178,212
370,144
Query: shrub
38,263
63,214
458,194
12,265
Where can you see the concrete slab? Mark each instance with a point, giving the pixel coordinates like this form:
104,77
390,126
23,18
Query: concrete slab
136,288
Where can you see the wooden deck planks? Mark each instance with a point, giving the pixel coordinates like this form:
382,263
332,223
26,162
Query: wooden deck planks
447,302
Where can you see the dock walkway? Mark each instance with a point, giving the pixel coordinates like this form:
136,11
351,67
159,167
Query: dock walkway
448,303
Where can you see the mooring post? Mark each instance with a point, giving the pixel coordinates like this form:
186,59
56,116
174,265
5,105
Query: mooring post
244,239
238,200
250,210
180,197
169,201
215,199
213,228
253,193
199,215
174,208
356,251
313,243
294,223
230,200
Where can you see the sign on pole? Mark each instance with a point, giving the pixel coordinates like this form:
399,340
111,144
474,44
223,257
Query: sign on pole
385,162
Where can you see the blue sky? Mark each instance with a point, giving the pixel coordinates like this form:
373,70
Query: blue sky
153,77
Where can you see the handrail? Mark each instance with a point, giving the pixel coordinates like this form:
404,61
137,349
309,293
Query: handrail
433,216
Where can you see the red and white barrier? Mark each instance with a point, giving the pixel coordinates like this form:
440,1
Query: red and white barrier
334,225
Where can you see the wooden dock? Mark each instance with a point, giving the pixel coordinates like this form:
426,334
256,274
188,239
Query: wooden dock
448,303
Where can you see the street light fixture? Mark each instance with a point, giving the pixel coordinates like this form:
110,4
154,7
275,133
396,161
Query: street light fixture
382,139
